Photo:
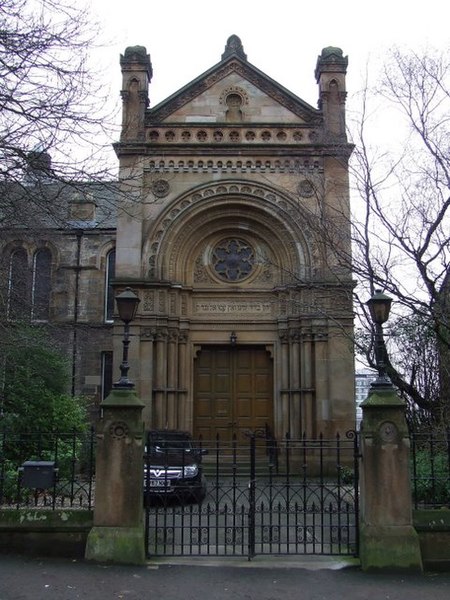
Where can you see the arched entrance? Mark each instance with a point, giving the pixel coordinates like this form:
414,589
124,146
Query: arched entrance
233,391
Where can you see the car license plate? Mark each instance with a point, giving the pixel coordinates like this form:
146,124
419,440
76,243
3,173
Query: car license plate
159,483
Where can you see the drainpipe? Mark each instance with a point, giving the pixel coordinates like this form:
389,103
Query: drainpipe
77,268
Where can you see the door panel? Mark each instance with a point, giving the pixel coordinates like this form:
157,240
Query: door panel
233,391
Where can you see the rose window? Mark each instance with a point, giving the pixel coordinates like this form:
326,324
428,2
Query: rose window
233,259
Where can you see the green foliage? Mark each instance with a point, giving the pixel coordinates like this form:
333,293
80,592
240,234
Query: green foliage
35,384
347,475
39,418
8,478
432,478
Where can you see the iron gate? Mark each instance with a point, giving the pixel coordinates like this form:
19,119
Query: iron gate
263,497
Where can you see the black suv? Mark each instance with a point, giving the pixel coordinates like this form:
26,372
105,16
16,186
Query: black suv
172,467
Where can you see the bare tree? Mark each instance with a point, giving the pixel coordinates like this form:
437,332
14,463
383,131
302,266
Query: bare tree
51,105
401,225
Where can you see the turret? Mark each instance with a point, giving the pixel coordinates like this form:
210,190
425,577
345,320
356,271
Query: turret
136,77
330,72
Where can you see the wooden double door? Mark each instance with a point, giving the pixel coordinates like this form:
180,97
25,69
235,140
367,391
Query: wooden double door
233,391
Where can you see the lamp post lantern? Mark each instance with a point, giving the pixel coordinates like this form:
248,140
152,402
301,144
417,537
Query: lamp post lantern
379,307
127,304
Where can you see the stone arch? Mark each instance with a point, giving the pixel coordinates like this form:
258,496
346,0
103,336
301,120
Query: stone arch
103,251
31,247
254,210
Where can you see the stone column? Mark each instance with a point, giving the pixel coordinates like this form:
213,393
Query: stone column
184,419
160,392
388,539
296,425
172,379
118,534
284,425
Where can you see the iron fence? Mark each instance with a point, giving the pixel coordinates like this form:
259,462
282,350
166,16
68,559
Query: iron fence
430,468
47,469
263,497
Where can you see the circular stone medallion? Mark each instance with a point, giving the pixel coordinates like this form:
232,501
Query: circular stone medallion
118,430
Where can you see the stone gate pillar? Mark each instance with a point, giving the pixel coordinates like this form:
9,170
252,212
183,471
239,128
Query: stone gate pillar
388,539
118,533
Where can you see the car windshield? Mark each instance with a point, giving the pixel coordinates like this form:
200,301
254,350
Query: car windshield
170,443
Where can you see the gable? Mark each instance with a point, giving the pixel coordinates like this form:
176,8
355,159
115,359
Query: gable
207,99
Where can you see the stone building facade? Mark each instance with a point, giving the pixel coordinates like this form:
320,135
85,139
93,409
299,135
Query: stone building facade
54,275
229,220
234,215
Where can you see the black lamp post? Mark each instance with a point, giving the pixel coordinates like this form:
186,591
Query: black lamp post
127,304
379,307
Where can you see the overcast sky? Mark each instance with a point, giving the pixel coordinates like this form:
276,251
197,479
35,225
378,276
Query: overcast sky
282,38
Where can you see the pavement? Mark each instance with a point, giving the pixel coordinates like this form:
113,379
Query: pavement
264,578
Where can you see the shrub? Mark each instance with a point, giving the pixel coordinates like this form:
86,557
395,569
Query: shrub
431,478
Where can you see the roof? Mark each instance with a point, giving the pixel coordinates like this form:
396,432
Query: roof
56,205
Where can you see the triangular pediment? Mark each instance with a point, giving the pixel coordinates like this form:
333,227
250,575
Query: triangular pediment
263,100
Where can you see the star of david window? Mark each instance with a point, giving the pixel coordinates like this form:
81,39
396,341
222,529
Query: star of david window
233,259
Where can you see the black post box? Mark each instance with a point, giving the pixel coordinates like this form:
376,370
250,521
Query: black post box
40,474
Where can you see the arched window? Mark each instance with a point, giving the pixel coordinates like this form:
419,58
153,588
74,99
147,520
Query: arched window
107,374
41,286
109,292
18,285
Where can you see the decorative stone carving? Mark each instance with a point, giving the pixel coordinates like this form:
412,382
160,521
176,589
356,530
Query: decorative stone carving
160,188
234,89
238,166
305,189
233,259
388,432
119,430
162,302
173,304
149,301
275,202
232,307
148,333
284,336
200,272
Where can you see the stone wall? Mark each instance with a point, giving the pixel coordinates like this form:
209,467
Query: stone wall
45,532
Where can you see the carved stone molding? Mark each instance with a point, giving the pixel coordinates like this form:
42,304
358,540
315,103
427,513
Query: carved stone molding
234,89
200,271
149,301
148,333
288,211
236,133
